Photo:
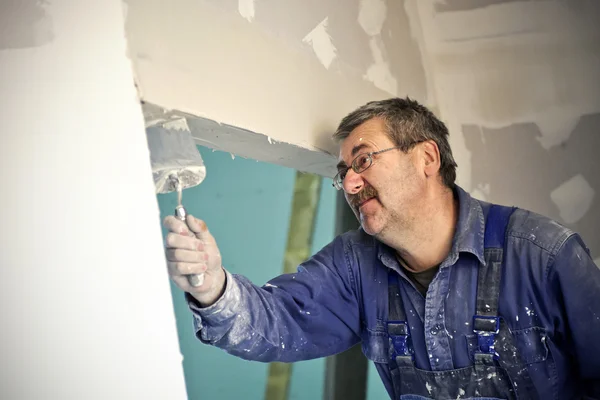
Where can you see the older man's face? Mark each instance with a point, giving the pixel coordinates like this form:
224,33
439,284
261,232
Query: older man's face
382,195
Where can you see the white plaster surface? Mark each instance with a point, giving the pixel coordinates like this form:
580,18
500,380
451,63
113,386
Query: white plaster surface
321,42
372,15
573,198
379,72
85,302
246,9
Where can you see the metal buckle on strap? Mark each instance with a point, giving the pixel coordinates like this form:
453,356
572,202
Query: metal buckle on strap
486,329
399,334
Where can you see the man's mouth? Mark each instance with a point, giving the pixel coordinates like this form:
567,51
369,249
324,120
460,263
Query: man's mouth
363,202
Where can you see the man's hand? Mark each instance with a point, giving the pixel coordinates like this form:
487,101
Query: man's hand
191,249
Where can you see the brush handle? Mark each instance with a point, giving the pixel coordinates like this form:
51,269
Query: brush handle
194,280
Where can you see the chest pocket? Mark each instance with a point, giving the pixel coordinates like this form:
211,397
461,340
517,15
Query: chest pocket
530,343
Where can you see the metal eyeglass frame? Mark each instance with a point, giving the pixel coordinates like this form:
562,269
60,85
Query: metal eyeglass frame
338,179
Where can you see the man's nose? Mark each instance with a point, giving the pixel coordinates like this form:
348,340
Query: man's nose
353,182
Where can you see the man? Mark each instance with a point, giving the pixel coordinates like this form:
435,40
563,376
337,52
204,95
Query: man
451,297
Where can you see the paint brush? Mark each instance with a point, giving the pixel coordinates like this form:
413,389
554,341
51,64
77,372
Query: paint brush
176,165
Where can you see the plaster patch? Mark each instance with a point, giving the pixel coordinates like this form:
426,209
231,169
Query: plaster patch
556,129
573,198
379,72
371,16
322,44
246,9
24,24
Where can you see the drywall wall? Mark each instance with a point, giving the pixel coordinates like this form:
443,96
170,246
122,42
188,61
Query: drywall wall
246,205
286,70
518,83
85,304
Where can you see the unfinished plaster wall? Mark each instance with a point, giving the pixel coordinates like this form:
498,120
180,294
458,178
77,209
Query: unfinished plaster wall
271,80
85,306
518,83
285,70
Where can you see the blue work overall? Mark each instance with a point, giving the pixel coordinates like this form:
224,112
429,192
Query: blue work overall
497,371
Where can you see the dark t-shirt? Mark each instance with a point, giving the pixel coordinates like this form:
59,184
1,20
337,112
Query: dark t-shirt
422,279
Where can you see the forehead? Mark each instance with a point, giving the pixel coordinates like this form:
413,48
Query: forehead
369,136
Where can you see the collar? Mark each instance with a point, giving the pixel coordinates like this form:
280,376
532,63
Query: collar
470,228
468,237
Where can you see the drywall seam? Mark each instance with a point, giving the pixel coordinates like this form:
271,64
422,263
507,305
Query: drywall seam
416,31
423,11
371,16
322,44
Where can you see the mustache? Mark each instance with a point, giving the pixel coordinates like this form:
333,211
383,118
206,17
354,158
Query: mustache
365,194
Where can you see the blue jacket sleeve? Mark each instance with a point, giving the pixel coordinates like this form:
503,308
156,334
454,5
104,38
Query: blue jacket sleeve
576,280
308,314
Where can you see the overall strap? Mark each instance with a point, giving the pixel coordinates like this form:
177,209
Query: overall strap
401,353
486,323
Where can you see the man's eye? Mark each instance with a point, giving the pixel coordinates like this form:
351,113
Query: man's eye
362,160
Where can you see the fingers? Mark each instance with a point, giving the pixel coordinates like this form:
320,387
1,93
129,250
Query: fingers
178,241
176,225
186,256
178,268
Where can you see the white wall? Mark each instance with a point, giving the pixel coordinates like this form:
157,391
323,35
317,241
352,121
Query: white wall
85,305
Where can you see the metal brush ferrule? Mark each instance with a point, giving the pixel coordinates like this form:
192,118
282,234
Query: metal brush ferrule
180,212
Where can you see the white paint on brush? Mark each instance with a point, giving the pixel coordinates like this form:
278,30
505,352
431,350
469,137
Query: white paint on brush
371,16
177,125
573,198
379,72
246,9
322,44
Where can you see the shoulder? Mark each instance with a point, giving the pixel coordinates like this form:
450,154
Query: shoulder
540,231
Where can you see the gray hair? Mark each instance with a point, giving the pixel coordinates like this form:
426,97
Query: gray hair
407,123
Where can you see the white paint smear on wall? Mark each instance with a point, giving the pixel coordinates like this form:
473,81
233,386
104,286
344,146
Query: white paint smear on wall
556,129
379,72
573,198
597,262
322,44
371,16
246,9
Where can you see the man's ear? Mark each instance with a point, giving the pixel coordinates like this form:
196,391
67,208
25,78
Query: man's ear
431,158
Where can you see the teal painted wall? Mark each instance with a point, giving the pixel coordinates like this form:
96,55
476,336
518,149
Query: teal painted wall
246,205
375,388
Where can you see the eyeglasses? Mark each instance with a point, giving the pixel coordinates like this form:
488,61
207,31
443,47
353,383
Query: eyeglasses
360,164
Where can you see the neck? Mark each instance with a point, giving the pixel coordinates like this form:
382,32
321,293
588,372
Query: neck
426,241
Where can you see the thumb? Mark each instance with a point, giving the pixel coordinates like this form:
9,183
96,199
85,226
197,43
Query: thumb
197,226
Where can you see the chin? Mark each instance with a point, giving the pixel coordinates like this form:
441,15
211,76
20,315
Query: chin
371,226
